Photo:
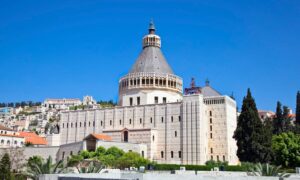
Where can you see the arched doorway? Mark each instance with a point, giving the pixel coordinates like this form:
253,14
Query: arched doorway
125,136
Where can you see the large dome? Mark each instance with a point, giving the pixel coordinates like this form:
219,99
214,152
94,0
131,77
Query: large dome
151,60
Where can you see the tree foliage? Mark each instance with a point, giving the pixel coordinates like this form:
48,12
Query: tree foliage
286,148
37,166
250,134
5,167
282,120
266,170
112,157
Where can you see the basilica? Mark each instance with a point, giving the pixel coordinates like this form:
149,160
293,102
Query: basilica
175,126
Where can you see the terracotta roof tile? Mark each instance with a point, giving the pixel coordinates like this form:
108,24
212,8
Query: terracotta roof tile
33,138
101,137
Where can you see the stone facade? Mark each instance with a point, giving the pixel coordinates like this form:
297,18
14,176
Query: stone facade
152,110
189,132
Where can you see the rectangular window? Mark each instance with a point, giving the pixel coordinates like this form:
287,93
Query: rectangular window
156,100
210,120
164,100
210,128
162,154
179,154
138,100
210,135
131,101
211,150
172,154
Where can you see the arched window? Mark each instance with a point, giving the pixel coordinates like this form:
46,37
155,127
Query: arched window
120,121
175,133
153,138
16,142
101,123
140,120
151,120
110,122
143,154
2,141
211,150
162,154
8,142
129,121
162,119
210,113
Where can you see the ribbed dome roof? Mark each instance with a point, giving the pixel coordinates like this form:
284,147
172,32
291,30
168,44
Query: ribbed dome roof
152,60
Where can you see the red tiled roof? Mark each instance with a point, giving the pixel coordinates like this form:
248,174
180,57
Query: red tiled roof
33,138
100,137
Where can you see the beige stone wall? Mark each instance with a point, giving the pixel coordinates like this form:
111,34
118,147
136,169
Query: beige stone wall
156,125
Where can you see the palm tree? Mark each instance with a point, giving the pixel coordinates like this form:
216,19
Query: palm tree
36,168
266,170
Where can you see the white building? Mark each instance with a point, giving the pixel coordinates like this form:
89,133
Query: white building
189,128
61,103
89,100
10,138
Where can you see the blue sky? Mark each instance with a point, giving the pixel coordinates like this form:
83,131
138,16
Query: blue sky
56,49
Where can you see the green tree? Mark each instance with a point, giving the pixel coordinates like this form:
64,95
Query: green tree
5,167
278,120
286,119
267,139
286,148
250,133
116,152
131,159
100,151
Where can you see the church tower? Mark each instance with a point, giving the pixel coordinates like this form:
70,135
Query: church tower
150,80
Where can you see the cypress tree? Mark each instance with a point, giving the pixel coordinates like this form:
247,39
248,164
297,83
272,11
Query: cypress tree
249,133
278,120
298,109
5,167
286,119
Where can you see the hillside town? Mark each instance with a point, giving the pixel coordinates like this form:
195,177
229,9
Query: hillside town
29,123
